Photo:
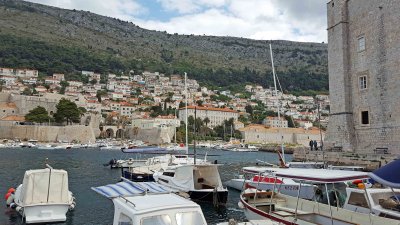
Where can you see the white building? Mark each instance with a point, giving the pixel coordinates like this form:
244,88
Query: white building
26,73
270,121
216,115
7,72
160,121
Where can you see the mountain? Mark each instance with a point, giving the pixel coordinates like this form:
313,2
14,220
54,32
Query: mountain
55,40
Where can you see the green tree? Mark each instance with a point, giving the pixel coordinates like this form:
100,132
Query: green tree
38,115
27,91
206,121
199,102
67,111
93,82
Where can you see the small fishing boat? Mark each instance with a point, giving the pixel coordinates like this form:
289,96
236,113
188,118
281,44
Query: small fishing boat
270,204
150,203
43,196
381,199
202,182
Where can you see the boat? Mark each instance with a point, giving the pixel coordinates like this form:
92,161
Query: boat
43,196
285,209
125,163
176,147
144,149
140,172
201,181
244,148
379,201
251,222
46,147
150,203
262,178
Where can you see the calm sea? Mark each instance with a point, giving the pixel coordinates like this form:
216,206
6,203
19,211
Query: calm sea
86,170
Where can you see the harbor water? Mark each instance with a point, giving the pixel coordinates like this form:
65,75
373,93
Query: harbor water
85,169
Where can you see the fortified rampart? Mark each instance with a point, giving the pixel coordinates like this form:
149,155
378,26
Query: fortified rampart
159,135
79,133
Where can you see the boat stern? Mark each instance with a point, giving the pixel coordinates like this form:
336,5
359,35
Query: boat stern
45,213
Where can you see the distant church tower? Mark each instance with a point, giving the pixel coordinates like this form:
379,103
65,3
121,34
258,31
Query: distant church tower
364,75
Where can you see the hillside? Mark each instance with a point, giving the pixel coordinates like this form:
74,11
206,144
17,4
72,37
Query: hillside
57,40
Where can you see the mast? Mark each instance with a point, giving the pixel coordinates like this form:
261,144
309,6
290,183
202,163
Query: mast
276,94
175,128
186,119
194,135
274,75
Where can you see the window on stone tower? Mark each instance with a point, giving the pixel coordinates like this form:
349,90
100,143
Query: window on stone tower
364,118
363,82
361,43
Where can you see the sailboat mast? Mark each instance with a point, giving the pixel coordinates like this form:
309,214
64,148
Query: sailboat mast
273,72
175,128
186,116
276,94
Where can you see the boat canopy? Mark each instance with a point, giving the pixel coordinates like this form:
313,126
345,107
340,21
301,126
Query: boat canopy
388,174
127,188
321,175
45,186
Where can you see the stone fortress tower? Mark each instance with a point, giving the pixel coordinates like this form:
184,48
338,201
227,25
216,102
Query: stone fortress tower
364,75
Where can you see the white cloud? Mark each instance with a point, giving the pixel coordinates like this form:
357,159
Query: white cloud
190,6
297,20
122,9
257,19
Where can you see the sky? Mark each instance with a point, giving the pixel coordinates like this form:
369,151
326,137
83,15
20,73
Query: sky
295,20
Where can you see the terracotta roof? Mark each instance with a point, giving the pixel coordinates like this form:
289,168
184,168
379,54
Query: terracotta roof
13,118
211,109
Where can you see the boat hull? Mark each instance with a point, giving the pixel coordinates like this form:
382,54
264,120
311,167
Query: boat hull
44,213
209,196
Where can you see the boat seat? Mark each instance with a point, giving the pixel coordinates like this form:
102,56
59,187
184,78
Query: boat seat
287,211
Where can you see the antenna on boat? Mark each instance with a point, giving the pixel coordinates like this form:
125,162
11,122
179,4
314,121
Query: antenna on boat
276,94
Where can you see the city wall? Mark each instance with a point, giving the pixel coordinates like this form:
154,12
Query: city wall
153,136
79,133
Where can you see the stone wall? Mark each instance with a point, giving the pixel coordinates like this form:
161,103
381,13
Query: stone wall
368,161
377,22
152,136
80,133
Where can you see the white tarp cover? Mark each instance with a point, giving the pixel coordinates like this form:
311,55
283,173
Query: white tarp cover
183,177
45,186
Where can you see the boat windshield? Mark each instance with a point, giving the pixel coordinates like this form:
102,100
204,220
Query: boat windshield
156,220
193,218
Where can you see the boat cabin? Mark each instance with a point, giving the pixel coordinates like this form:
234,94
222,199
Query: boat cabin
150,203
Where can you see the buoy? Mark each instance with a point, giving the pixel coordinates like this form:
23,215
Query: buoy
11,190
7,195
361,186
181,145
357,181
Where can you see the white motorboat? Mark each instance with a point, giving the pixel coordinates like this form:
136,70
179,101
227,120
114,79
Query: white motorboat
150,204
46,147
244,148
177,147
43,196
294,210
140,172
262,178
202,182
379,201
